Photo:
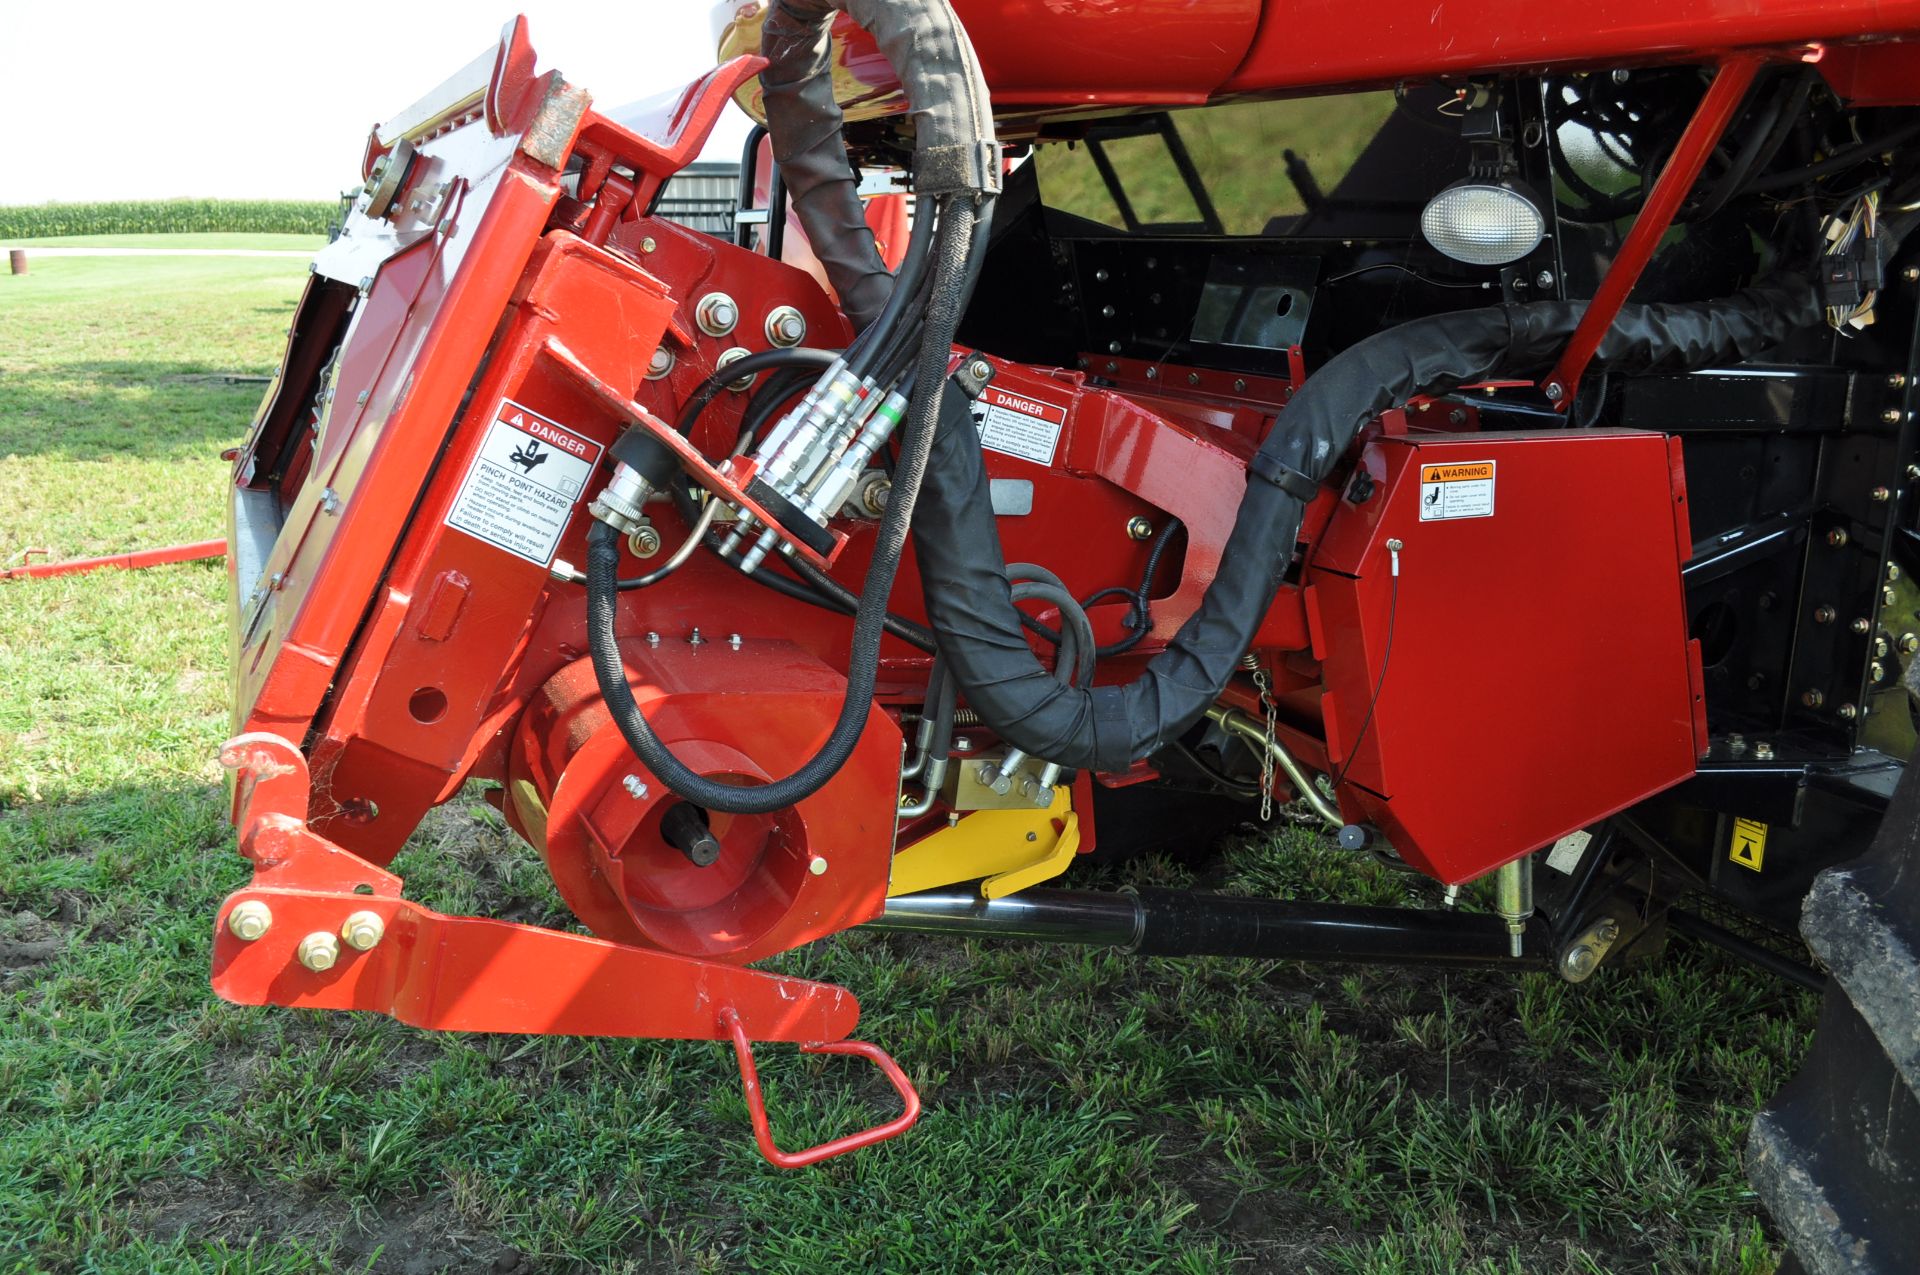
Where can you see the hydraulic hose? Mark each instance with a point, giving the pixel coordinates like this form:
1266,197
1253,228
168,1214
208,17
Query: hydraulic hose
1107,728
958,215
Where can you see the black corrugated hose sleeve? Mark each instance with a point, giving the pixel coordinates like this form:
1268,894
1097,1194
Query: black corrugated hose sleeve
957,544
953,126
957,218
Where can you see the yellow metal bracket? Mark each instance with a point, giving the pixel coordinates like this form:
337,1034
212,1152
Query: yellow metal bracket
1005,850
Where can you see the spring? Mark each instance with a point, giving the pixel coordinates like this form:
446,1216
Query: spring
965,717
1250,662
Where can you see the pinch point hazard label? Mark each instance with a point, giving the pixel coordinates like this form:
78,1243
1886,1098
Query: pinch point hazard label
1015,425
519,492
1458,489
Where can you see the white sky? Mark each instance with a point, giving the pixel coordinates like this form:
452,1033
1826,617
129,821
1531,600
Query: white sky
274,100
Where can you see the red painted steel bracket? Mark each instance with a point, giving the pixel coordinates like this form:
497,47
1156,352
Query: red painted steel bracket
321,928
728,480
757,1103
1670,189
133,561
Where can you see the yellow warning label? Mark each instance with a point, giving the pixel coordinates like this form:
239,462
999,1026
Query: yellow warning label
1749,847
1480,471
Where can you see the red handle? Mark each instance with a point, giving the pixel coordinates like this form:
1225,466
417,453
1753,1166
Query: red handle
757,1103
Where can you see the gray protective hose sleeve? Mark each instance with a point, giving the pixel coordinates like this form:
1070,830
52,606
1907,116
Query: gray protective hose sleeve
946,95
961,564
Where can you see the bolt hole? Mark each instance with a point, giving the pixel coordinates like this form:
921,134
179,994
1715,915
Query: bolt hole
359,810
428,704
1285,305
363,888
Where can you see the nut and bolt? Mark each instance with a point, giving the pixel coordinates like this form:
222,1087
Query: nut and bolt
1847,712
716,314
1881,495
249,920
1555,391
1862,625
644,542
727,359
1893,572
1736,745
653,639
1763,751
1544,278
1813,698
636,787
786,327
1892,415
1837,537
1908,643
1876,672
1880,647
329,500
696,639
1139,528
363,930
1824,615
648,244
817,865
1240,387
318,951
1153,374
660,364
1897,381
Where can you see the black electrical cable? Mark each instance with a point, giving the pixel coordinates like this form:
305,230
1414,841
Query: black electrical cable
959,214
1140,622
1839,161
915,635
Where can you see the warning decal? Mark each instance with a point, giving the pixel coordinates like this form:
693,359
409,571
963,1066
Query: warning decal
1463,489
520,491
1749,847
1015,425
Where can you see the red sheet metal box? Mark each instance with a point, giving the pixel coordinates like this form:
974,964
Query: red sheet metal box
1528,669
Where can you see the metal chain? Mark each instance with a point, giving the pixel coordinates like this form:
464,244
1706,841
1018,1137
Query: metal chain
1270,711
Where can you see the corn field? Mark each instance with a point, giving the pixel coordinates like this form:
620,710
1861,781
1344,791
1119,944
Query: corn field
244,216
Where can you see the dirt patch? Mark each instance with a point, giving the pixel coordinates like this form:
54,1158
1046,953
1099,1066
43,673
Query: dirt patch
28,939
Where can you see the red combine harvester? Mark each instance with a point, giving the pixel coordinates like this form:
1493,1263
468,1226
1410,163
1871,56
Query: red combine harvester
1489,428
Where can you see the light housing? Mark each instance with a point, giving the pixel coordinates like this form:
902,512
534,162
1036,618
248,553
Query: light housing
1484,221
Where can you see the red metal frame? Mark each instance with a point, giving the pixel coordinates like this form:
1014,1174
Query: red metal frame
1670,189
757,1103
136,560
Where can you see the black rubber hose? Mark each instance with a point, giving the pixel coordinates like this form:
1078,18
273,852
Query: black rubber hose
752,365
909,289
844,602
962,568
957,219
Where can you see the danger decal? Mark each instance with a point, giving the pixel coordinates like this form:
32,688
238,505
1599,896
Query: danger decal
1459,489
1015,425
519,492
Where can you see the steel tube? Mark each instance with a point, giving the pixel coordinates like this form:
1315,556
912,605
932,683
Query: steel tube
1232,719
1186,923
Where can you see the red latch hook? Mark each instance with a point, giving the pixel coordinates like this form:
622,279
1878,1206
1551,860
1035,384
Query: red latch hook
757,1103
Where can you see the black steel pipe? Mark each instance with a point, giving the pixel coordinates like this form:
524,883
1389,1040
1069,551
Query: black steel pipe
1186,923
1707,932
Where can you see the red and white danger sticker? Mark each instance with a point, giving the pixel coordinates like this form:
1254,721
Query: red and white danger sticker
1015,425
519,492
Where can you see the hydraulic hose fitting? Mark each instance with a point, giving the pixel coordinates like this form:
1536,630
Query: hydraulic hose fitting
619,502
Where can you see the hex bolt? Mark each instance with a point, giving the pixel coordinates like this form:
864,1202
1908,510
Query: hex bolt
644,542
1763,751
1736,744
1847,712
1544,278
1893,572
1139,528
962,745
1897,381
1881,495
817,865
653,639
786,327
1881,647
1876,672
979,369
363,930
696,639
1555,391
648,244
318,951
1813,697
1837,537
1824,615
329,500
660,364
636,787
1892,415
716,314
1862,625
249,920
1908,643
1193,378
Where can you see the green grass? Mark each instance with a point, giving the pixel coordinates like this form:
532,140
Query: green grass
1085,1111
306,242
277,216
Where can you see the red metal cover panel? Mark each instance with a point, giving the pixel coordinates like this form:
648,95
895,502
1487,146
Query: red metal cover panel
1539,674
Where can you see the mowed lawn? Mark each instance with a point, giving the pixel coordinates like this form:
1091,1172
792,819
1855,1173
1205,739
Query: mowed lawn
1085,1111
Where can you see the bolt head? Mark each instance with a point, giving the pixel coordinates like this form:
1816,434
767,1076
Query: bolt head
1763,750
1139,528
1861,625
1579,963
660,364
1893,572
963,745
817,866
979,369
1891,416
647,244
1908,643
733,640
1837,537
636,787
1813,698
1847,712
318,951
249,920
1881,495
1877,671
716,314
1824,615
363,930
1544,278
644,542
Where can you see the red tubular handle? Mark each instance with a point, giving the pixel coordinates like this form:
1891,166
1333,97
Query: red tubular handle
757,1103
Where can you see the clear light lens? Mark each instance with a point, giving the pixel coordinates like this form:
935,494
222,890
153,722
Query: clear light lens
1483,224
